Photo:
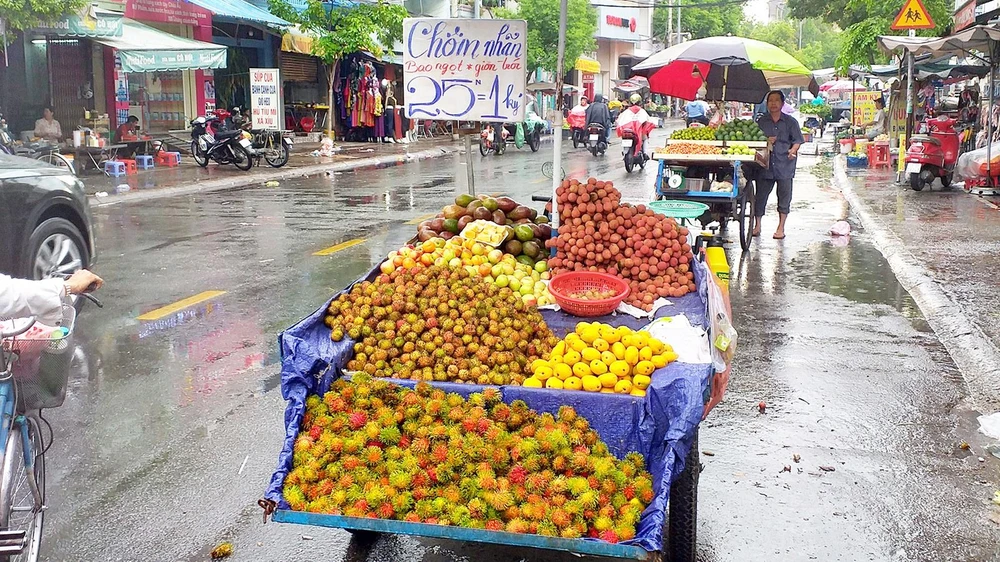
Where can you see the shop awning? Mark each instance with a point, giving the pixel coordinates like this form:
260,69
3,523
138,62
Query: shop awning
241,10
297,41
585,64
144,49
91,22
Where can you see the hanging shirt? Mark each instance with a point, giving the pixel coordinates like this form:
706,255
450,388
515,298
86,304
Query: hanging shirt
786,132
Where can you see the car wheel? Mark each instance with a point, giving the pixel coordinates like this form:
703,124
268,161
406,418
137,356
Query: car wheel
56,249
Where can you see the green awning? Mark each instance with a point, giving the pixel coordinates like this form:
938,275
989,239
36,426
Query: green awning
89,23
144,49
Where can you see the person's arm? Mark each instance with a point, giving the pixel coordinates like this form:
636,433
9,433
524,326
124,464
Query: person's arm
38,128
21,298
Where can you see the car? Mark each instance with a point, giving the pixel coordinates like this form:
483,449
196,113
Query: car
46,229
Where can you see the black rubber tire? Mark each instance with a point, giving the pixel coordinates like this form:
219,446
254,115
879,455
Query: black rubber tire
682,519
534,141
360,546
242,158
946,181
42,232
602,147
199,158
14,447
594,149
576,140
283,155
629,164
484,147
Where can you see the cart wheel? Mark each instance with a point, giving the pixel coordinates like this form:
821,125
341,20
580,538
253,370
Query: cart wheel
360,545
682,526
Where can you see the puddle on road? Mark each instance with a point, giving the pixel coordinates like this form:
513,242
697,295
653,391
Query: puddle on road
857,272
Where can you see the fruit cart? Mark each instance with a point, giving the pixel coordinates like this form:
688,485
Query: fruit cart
735,204
662,425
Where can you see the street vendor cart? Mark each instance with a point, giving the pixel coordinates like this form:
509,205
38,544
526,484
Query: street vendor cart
662,425
716,180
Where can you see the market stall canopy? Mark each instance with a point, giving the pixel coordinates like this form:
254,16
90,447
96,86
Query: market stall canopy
978,38
145,49
586,64
633,84
946,67
89,22
840,86
730,69
241,10
550,87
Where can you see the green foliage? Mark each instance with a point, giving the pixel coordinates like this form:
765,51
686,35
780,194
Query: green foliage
700,21
543,30
820,40
863,21
341,31
19,15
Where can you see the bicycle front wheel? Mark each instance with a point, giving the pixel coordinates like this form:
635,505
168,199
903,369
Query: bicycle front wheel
58,160
18,509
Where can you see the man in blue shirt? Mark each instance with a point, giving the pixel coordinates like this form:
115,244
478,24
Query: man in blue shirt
697,112
784,137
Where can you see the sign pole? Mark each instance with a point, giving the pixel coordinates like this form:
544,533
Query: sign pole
909,92
558,121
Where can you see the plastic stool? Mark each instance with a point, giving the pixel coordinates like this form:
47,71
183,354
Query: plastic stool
130,166
168,158
878,155
144,161
114,168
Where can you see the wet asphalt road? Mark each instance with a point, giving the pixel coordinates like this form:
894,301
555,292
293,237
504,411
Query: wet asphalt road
172,425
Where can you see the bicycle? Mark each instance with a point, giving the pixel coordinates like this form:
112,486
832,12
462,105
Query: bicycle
549,167
25,348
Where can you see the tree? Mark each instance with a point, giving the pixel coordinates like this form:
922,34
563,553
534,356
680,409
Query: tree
820,40
340,31
863,21
543,30
700,21
20,15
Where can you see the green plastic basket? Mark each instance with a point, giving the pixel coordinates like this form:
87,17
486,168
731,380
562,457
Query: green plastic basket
679,209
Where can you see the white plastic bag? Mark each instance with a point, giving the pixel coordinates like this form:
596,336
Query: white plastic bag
969,163
689,342
723,334
841,228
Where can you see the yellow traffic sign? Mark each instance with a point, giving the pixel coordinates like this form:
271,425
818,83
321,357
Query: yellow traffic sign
914,15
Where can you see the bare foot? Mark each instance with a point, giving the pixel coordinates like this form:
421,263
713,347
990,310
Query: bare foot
779,235
756,229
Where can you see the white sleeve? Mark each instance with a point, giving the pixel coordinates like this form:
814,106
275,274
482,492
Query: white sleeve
20,298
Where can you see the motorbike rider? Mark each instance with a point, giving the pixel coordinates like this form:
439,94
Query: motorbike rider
634,113
578,115
599,113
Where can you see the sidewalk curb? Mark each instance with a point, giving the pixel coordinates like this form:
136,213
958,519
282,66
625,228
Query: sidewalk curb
977,357
251,178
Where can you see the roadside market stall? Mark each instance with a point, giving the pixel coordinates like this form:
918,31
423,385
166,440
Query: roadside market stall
610,457
708,165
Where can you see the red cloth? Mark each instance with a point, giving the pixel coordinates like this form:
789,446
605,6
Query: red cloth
639,130
577,120
675,79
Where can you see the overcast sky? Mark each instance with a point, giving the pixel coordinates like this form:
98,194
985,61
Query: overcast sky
756,10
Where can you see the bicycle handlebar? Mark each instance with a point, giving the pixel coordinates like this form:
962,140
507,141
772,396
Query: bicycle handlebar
19,331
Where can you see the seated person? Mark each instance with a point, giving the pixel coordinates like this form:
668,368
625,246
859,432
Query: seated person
47,128
130,128
876,126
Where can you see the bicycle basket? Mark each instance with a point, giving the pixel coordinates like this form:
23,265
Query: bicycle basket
40,363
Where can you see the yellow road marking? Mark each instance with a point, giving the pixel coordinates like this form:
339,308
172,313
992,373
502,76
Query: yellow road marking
338,247
420,219
180,305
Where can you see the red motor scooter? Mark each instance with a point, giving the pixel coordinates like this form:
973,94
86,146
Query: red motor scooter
933,155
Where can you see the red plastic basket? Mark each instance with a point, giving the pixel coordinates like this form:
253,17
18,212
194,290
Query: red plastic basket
574,281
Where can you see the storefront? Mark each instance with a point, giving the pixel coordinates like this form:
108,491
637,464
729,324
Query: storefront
160,78
304,83
621,33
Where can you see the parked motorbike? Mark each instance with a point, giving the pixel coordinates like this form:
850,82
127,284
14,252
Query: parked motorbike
598,139
933,155
218,138
270,145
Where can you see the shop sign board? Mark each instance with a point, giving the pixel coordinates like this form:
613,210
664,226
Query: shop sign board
168,11
164,61
864,106
266,112
86,24
464,69
965,16
618,23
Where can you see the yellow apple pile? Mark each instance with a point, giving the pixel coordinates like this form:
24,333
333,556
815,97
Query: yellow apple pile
597,357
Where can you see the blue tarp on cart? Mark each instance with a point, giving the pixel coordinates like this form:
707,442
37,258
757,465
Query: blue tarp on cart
660,425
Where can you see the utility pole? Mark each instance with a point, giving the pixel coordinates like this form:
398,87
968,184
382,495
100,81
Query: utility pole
679,40
668,37
558,121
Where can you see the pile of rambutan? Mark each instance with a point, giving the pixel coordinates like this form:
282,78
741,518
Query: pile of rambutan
441,324
369,448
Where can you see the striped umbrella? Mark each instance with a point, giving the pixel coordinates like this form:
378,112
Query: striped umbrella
730,68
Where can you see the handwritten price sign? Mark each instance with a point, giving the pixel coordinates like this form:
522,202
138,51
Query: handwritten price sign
265,99
462,69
